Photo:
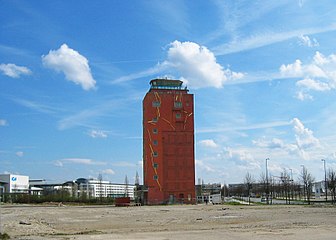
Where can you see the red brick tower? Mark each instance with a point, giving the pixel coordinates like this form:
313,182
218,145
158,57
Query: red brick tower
168,143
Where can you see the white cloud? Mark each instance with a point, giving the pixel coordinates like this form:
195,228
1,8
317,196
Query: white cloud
301,95
124,164
306,41
58,163
197,65
275,143
151,71
79,160
319,75
36,106
97,134
305,142
319,59
19,154
208,143
203,166
83,161
74,66
14,71
312,84
87,117
292,70
3,122
241,157
194,64
108,171
304,136
217,129
268,38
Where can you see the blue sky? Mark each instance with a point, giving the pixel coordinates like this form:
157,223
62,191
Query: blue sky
73,76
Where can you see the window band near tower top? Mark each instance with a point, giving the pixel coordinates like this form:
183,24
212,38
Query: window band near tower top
167,84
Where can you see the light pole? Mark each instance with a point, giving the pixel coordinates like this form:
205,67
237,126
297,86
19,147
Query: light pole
291,170
267,190
304,179
325,180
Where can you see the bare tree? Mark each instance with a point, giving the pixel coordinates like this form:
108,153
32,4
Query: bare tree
263,182
296,188
248,181
307,180
332,183
285,180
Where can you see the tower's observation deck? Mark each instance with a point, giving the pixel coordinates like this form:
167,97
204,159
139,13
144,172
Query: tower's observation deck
166,84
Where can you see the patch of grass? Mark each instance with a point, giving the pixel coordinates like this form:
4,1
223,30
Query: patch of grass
4,236
233,203
262,204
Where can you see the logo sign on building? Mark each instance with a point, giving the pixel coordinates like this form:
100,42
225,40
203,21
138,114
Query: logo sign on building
13,179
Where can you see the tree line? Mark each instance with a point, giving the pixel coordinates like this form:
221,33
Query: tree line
283,187
61,195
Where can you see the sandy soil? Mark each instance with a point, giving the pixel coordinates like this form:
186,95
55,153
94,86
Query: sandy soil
169,222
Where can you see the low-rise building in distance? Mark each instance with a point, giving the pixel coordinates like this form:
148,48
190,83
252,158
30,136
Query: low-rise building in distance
12,183
86,188
99,188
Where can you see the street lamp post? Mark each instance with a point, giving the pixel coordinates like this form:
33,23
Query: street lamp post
267,190
303,178
325,180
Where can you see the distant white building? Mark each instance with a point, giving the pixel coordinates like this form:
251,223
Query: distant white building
92,188
319,189
12,183
98,188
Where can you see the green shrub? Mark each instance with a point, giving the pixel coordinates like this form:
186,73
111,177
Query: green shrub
4,236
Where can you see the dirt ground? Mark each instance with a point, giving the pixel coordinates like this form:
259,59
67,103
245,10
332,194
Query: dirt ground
169,222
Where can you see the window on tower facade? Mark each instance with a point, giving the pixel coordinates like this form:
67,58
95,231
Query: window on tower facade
155,177
155,154
155,131
155,165
156,104
155,142
177,104
178,115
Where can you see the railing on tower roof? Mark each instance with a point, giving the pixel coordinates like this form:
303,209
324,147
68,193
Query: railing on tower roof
166,84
